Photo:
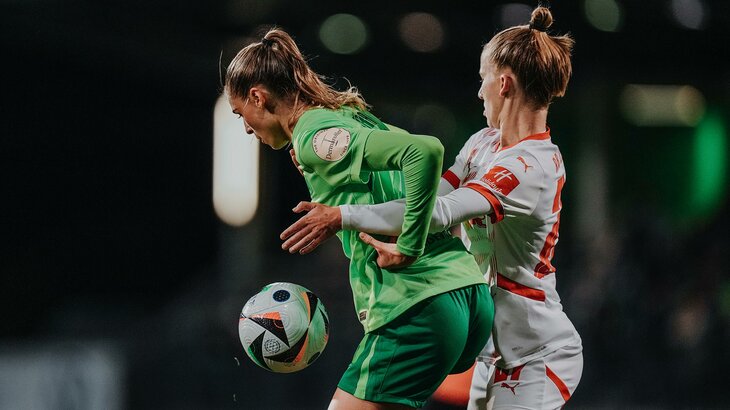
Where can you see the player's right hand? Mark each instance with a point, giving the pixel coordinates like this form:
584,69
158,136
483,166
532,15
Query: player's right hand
389,257
319,224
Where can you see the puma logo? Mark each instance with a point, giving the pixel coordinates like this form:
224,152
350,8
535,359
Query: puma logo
511,388
522,160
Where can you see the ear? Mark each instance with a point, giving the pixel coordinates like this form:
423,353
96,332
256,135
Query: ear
257,96
505,84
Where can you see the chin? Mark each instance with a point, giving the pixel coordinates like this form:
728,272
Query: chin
279,144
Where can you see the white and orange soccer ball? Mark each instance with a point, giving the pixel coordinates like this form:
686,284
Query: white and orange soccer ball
284,328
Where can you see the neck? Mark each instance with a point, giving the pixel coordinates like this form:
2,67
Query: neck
521,122
290,116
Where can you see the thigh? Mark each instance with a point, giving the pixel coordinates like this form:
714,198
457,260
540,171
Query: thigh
481,319
405,360
478,399
544,383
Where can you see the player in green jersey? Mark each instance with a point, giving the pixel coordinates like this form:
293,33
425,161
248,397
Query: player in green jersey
423,303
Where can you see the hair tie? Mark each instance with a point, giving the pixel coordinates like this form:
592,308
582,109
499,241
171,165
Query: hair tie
533,27
267,42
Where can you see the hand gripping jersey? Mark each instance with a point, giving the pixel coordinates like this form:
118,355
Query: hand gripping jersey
515,244
350,157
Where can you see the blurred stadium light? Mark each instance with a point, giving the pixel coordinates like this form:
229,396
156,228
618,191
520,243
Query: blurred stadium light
710,146
422,32
343,33
604,15
690,14
513,14
235,167
662,105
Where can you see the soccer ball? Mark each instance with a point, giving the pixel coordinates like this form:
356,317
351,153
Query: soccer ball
284,328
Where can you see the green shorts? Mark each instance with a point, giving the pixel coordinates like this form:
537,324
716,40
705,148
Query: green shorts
405,360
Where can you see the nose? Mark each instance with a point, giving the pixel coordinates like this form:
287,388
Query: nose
479,94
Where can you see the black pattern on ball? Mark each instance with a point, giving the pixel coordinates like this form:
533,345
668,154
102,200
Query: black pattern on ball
312,304
281,295
256,353
291,354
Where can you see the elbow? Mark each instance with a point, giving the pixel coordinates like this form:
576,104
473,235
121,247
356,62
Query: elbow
433,149
436,147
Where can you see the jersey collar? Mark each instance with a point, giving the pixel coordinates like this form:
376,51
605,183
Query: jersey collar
539,136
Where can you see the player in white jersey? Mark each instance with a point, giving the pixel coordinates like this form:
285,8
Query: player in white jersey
514,245
505,187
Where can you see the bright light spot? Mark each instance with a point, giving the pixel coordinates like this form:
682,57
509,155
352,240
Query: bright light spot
662,105
235,167
709,164
689,323
343,34
513,14
422,32
605,15
690,14
434,119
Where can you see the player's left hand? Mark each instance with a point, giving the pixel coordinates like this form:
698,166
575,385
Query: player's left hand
319,224
389,257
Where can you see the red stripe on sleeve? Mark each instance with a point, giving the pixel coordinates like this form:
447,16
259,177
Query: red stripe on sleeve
498,212
451,178
519,289
558,383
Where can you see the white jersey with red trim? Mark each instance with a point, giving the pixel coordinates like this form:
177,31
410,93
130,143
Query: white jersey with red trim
515,244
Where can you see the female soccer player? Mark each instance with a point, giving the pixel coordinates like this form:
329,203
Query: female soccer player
427,311
505,187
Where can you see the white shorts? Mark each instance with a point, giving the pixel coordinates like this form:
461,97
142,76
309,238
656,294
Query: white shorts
544,383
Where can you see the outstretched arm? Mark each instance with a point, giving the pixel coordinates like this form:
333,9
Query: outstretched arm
321,222
451,209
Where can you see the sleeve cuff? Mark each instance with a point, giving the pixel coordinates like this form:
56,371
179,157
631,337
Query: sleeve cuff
346,214
408,251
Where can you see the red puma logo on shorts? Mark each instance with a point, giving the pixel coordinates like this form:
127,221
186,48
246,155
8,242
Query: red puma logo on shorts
511,388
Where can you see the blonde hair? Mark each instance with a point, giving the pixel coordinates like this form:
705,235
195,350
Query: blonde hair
540,61
276,63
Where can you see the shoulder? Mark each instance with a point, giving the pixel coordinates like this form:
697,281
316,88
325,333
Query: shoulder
317,119
317,123
543,153
324,137
486,137
520,163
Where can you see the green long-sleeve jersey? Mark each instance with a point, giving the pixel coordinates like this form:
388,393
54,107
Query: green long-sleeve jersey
350,157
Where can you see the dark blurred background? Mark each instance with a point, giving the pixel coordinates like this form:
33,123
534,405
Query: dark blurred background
121,285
